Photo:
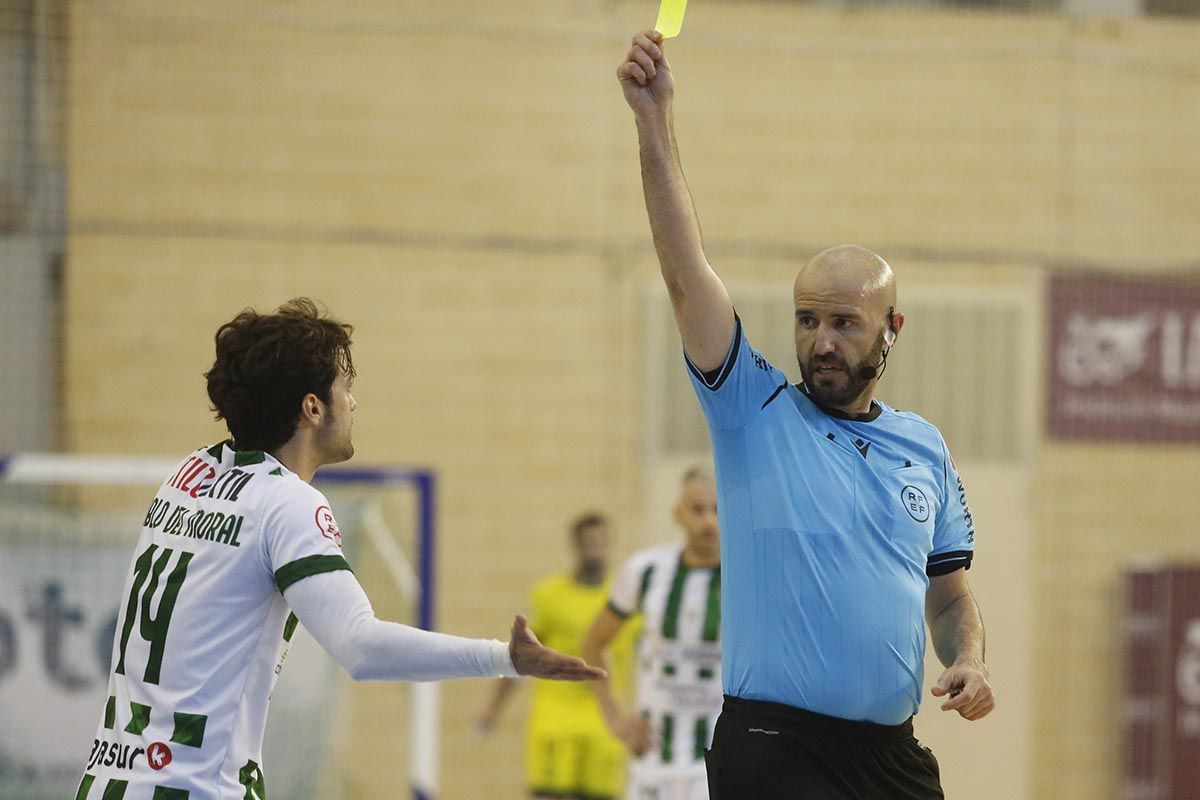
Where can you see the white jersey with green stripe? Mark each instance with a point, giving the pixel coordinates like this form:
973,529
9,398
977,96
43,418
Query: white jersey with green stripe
679,653
204,628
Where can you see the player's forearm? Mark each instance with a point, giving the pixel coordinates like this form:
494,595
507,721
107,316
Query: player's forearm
957,632
592,650
391,651
500,697
335,610
673,220
606,699
603,690
594,643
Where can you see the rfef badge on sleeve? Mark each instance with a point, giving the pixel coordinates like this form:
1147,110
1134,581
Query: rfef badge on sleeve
670,17
327,525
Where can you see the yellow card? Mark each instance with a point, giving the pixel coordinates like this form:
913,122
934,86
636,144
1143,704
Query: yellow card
670,17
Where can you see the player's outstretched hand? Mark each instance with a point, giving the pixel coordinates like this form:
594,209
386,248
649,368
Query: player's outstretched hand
970,693
530,657
645,75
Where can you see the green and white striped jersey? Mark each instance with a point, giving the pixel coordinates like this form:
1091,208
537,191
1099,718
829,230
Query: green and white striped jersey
679,653
204,628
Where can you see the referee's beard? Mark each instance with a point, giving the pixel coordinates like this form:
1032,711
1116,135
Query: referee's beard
842,388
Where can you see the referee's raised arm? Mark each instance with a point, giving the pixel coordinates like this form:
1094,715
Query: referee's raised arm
703,310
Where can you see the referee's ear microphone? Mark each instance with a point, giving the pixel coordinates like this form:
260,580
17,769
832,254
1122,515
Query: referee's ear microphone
889,335
870,372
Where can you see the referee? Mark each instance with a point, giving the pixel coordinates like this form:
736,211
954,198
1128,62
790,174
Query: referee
845,525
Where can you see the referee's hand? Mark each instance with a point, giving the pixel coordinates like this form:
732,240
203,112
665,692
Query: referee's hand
969,692
645,76
531,657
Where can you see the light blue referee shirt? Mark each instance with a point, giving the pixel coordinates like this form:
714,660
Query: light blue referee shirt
830,528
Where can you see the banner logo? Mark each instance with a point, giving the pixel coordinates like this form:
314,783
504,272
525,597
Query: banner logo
1123,359
1104,350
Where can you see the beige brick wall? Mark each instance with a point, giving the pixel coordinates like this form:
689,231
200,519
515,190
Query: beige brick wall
459,180
1097,509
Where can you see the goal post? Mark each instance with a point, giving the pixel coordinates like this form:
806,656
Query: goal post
67,527
426,697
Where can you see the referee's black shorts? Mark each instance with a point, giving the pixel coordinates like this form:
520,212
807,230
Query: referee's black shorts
769,751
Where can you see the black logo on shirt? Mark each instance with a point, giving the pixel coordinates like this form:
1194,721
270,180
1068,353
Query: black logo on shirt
915,503
113,754
967,518
862,447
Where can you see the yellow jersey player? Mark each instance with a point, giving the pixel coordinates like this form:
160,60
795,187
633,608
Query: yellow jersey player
569,750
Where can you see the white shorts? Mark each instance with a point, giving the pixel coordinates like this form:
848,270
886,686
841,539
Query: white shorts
653,782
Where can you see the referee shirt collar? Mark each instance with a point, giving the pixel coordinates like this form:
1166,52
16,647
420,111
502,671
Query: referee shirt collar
870,416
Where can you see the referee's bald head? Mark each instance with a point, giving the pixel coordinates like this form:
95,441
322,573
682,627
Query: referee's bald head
847,274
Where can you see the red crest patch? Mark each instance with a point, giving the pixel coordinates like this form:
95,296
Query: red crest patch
328,525
158,755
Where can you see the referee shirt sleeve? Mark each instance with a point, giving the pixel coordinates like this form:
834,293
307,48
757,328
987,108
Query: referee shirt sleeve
733,394
954,529
300,536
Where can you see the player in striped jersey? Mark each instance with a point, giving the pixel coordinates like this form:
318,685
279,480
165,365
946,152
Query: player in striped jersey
677,590
237,549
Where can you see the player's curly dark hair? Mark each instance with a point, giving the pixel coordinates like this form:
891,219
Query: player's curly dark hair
267,363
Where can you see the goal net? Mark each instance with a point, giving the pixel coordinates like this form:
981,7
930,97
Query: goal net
68,525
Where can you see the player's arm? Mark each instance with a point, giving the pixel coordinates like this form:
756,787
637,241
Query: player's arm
703,310
501,695
308,568
603,630
333,607
956,630
634,731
